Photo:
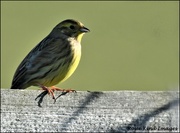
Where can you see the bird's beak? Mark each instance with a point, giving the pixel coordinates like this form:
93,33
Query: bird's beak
84,29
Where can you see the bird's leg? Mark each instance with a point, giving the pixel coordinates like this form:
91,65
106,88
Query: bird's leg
54,88
64,91
49,90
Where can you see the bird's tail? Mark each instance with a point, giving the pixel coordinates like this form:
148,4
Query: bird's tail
17,85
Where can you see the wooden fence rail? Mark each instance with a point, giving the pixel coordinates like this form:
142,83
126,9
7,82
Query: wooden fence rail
107,111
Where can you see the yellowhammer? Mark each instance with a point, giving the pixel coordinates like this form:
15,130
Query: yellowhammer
53,60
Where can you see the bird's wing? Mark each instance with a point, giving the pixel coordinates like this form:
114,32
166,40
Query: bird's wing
20,75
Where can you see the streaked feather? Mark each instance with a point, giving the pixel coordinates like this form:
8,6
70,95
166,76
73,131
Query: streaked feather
53,60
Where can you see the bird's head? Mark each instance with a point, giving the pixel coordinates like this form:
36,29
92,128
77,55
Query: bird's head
71,28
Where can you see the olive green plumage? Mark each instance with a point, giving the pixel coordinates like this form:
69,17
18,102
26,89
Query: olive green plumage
54,59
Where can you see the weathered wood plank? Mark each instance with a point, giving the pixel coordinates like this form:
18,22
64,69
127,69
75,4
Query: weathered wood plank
113,111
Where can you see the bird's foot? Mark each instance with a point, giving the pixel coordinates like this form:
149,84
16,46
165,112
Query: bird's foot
47,90
54,88
50,91
64,91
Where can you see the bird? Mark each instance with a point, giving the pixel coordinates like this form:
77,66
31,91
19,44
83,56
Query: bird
52,60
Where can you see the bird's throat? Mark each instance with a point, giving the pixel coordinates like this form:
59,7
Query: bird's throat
79,37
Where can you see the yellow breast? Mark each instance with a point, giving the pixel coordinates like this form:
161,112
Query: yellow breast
74,62
66,70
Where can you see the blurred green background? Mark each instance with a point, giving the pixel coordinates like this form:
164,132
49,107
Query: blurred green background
131,46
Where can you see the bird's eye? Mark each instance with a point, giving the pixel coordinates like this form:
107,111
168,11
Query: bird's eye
72,27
